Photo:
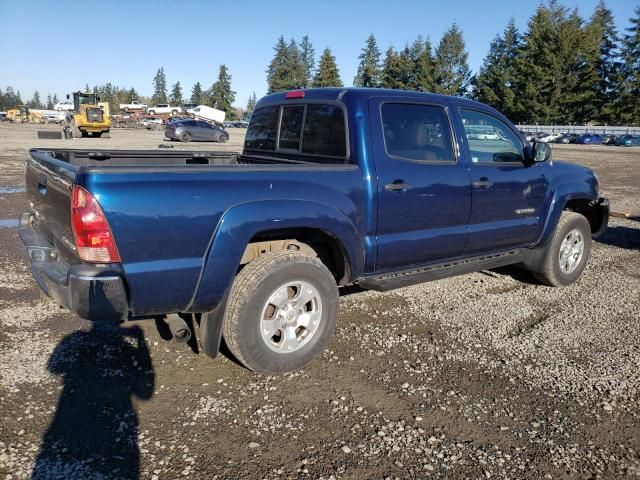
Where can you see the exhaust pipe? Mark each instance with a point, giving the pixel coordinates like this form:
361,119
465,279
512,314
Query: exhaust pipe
179,328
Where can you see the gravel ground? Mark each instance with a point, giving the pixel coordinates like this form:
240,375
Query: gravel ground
487,375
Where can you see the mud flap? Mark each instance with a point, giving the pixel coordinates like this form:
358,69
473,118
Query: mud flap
211,328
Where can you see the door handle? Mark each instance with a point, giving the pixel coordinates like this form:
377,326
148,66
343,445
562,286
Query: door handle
397,186
483,183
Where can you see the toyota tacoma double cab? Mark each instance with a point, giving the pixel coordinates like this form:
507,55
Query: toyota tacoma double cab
334,186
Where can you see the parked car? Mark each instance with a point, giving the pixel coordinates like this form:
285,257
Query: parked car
380,189
163,108
63,106
563,138
550,137
628,141
187,107
195,130
150,123
134,106
589,139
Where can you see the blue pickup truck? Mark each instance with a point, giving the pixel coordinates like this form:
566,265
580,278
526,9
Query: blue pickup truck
333,187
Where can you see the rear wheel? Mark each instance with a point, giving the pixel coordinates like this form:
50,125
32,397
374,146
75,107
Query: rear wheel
151,112
174,113
281,313
221,138
185,137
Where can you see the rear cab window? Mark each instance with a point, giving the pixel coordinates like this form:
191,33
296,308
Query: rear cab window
307,130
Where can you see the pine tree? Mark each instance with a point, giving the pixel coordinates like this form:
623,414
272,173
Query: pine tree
197,94
629,90
328,74
369,71
87,89
277,76
534,70
308,56
176,94
49,102
221,94
55,99
495,81
251,103
295,67
159,87
607,64
35,101
397,70
422,78
453,74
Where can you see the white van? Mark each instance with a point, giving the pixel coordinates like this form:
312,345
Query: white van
208,113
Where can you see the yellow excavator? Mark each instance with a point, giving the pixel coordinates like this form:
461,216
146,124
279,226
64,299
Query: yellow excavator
88,117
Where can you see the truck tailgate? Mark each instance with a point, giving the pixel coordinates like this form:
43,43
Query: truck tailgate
49,182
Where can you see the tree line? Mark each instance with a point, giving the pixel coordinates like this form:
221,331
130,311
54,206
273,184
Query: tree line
11,98
561,69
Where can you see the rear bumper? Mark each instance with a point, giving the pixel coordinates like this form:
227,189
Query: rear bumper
93,292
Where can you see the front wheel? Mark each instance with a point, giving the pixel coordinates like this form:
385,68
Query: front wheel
185,137
151,112
281,313
566,255
221,138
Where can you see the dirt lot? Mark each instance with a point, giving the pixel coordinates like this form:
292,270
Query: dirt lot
486,375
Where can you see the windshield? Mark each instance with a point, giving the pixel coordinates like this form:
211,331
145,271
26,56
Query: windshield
87,98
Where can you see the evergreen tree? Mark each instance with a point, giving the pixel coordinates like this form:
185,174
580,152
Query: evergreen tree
629,90
295,67
251,103
453,74
35,101
131,95
277,74
49,102
176,94
422,78
535,66
55,99
328,74
308,55
197,94
495,81
159,87
397,70
221,94
369,71
607,64
87,89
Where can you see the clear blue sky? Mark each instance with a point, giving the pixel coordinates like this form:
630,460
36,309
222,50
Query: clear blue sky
58,46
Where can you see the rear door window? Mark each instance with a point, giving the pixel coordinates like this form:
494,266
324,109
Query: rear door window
417,132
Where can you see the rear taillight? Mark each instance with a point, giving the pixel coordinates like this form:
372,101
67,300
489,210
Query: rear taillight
91,230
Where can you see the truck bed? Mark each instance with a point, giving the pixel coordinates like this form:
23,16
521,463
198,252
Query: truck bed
161,158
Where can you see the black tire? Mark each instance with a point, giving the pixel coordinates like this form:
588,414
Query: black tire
253,287
185,137
174,113
221,138
151,112
126,110
545,263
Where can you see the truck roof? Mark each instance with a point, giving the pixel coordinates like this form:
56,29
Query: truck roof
334,93
354,93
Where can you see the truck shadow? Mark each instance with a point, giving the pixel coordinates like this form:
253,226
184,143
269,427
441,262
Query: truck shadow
94,431
621,237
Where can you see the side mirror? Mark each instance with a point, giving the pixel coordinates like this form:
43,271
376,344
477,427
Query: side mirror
541,152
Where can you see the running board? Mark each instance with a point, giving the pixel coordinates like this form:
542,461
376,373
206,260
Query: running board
389,281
